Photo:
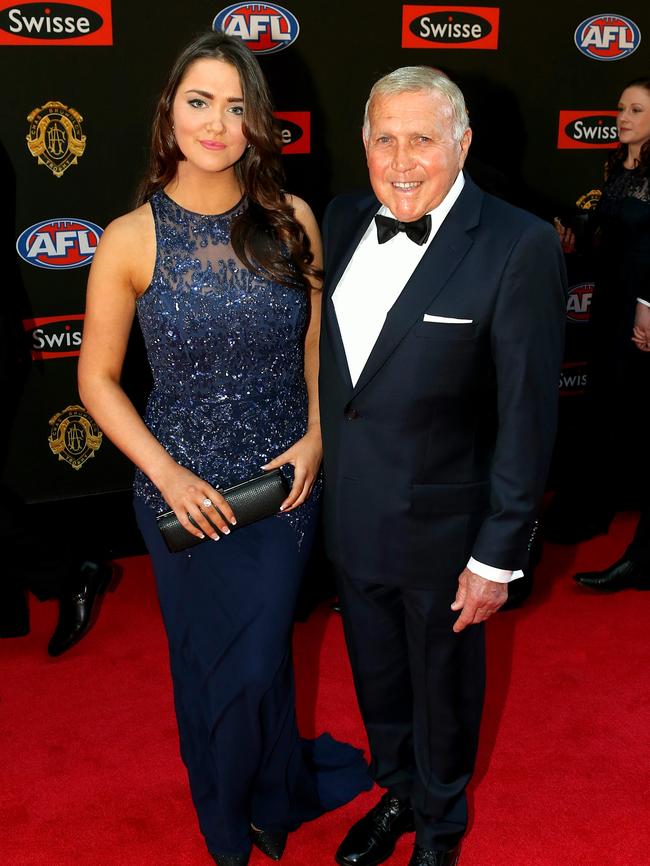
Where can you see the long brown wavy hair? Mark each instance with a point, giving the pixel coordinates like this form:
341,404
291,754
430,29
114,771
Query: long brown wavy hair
620,154
266,235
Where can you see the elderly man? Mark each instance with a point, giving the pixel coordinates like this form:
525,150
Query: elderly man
441,350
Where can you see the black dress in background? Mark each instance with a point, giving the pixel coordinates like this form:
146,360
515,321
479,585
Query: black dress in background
614,473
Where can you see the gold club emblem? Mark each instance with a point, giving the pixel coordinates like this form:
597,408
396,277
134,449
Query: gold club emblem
589,200
55,137
74,436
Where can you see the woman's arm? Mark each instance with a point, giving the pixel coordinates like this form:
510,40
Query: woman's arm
121,270
306,454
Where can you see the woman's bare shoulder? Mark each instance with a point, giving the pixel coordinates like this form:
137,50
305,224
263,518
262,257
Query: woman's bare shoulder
128,248
131,228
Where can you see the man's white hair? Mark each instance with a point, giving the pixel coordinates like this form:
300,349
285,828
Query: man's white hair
421,78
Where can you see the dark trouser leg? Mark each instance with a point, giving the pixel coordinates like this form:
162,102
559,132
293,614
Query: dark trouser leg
373,619
448,673
639,548
420,690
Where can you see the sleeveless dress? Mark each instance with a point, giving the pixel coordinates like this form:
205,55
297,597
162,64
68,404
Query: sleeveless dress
226,350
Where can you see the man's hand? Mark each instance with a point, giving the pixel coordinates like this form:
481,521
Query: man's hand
478,599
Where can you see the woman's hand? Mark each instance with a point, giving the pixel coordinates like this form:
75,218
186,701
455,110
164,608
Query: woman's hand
189,496
566,236
641,330
305,456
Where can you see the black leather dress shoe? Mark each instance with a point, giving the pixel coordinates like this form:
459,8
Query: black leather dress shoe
231,859
79,605
623,574
270,844
429,857
372,839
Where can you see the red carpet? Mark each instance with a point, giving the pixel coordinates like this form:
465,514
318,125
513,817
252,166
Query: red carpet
91,774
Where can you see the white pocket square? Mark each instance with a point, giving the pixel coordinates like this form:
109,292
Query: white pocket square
447,320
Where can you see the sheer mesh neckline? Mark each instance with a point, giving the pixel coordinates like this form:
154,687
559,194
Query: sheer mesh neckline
236,207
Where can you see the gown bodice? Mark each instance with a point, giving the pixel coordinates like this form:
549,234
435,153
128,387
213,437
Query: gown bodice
226,351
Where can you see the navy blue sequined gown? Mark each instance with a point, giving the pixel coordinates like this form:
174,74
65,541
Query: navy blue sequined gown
226,351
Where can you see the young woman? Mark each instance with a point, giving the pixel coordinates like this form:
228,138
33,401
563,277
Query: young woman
222,267
614,445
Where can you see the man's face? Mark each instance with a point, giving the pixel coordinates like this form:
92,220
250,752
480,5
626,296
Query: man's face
412,157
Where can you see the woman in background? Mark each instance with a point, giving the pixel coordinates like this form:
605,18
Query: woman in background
222,267
619,371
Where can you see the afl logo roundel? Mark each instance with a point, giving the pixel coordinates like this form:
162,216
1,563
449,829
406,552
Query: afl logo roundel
264,27
607,37
579,302
59,244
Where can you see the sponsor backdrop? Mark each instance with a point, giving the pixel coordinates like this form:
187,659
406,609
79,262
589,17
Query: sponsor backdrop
79,85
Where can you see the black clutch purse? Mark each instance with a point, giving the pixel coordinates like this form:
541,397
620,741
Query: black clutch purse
250,500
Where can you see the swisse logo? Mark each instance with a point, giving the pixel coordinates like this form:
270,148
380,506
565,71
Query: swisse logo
264,27
59,244
55,336
579,303
573,378
450,27
607,37
590,129
56,23
295,129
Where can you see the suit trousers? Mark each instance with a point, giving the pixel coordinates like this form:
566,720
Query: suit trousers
420,689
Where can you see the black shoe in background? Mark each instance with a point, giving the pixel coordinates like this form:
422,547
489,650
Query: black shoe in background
623,574
79,604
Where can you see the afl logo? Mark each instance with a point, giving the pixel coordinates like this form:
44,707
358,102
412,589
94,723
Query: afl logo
607,37
264,27
579,302
59,244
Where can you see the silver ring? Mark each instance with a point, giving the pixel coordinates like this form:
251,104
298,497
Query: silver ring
207,503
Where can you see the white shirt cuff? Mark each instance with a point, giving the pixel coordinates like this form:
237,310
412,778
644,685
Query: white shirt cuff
499,575
641,301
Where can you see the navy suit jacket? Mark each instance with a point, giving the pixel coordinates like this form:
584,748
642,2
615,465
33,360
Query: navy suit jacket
441,450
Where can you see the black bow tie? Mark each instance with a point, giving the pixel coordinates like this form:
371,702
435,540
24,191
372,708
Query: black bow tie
418,231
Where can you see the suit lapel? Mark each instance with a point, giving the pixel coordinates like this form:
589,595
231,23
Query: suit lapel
441,259
367,209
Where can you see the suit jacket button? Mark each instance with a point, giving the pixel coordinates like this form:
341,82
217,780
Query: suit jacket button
352,414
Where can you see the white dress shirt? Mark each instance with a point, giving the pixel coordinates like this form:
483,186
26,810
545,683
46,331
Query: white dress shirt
373,280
